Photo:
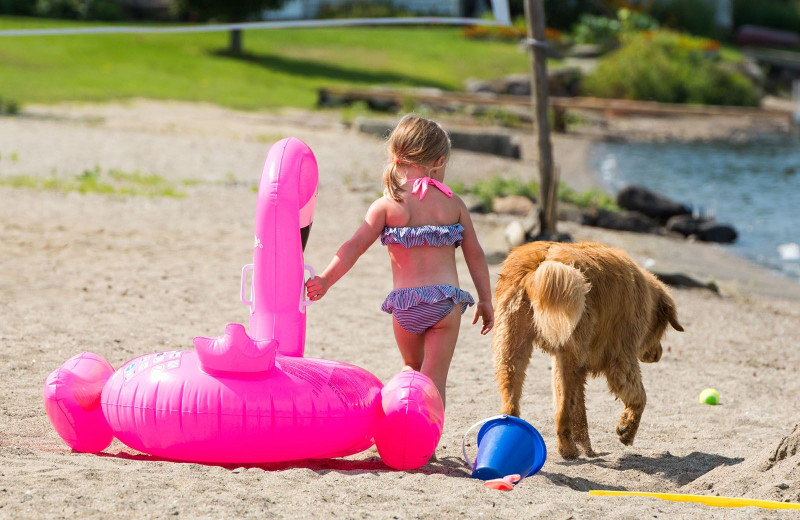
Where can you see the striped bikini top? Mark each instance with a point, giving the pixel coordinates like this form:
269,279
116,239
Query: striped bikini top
436,236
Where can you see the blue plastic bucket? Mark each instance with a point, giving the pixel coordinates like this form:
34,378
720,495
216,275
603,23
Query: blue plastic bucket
507,445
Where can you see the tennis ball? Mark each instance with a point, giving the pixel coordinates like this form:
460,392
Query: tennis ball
709,396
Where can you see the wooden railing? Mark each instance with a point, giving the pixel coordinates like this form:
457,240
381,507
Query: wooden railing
608,106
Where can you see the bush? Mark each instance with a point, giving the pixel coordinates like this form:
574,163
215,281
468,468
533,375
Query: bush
635,21
17,7
596,29
70,9
9,107
670,68
693,16
105,10
778,14
361,9
563,14
607,31
78,9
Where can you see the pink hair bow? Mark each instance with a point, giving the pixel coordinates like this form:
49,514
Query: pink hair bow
421,186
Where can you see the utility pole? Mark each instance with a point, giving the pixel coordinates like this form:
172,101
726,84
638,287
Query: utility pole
548,189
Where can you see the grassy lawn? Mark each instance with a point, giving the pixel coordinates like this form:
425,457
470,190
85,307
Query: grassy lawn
282,67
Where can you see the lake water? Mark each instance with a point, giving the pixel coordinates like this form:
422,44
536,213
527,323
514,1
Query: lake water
754,186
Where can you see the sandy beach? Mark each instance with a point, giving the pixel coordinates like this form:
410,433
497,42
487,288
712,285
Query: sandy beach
123,276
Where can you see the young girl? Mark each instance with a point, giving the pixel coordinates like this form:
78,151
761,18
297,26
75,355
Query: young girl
422,223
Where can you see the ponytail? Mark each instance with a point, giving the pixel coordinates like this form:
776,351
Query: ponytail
392,181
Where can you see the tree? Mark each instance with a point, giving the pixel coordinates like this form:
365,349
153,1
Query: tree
229,11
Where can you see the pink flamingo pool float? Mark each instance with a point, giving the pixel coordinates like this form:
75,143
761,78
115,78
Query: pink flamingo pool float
254,398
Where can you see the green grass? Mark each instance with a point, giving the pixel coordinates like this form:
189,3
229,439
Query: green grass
112,182
282,67
592,198
487,190
496,186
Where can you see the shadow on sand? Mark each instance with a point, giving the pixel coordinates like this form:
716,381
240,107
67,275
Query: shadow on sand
451,466
577,483
680,470
318,69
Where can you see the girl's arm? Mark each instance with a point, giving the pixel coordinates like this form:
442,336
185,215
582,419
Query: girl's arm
478,270
346,257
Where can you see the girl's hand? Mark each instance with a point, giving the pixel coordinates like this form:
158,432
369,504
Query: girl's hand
317,287
484,311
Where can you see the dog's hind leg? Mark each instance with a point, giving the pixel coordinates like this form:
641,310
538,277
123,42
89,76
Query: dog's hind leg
512,345
580,425
625,381
568,388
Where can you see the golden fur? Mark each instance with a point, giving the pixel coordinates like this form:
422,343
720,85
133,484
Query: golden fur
595,312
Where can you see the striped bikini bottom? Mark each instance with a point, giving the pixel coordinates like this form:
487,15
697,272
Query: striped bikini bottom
417,309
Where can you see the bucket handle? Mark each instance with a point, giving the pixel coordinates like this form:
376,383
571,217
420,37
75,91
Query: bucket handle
464,440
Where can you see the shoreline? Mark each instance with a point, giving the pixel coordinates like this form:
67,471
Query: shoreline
706,265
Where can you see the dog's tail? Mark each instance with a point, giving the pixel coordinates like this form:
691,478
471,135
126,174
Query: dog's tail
558,295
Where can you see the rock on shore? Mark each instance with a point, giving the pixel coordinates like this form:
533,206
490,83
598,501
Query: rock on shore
637,198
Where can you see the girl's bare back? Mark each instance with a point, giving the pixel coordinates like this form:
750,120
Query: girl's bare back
427,265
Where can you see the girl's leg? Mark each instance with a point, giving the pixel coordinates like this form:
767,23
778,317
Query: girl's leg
440,343
411,346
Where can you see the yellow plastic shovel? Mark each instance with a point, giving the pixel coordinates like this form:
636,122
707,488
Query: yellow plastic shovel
702,499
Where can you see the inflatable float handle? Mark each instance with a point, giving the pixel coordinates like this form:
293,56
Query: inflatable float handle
235,352
305,302
248,267
464,440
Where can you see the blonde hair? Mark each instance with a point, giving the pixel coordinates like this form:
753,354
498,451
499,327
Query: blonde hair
415,140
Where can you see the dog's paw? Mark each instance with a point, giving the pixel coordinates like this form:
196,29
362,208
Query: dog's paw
568,452
626,432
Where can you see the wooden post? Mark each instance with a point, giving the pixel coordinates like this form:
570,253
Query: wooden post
235,43
534,15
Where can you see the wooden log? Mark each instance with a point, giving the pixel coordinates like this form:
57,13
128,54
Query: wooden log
333,95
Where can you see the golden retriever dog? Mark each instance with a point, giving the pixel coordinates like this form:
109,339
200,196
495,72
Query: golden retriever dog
595,312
